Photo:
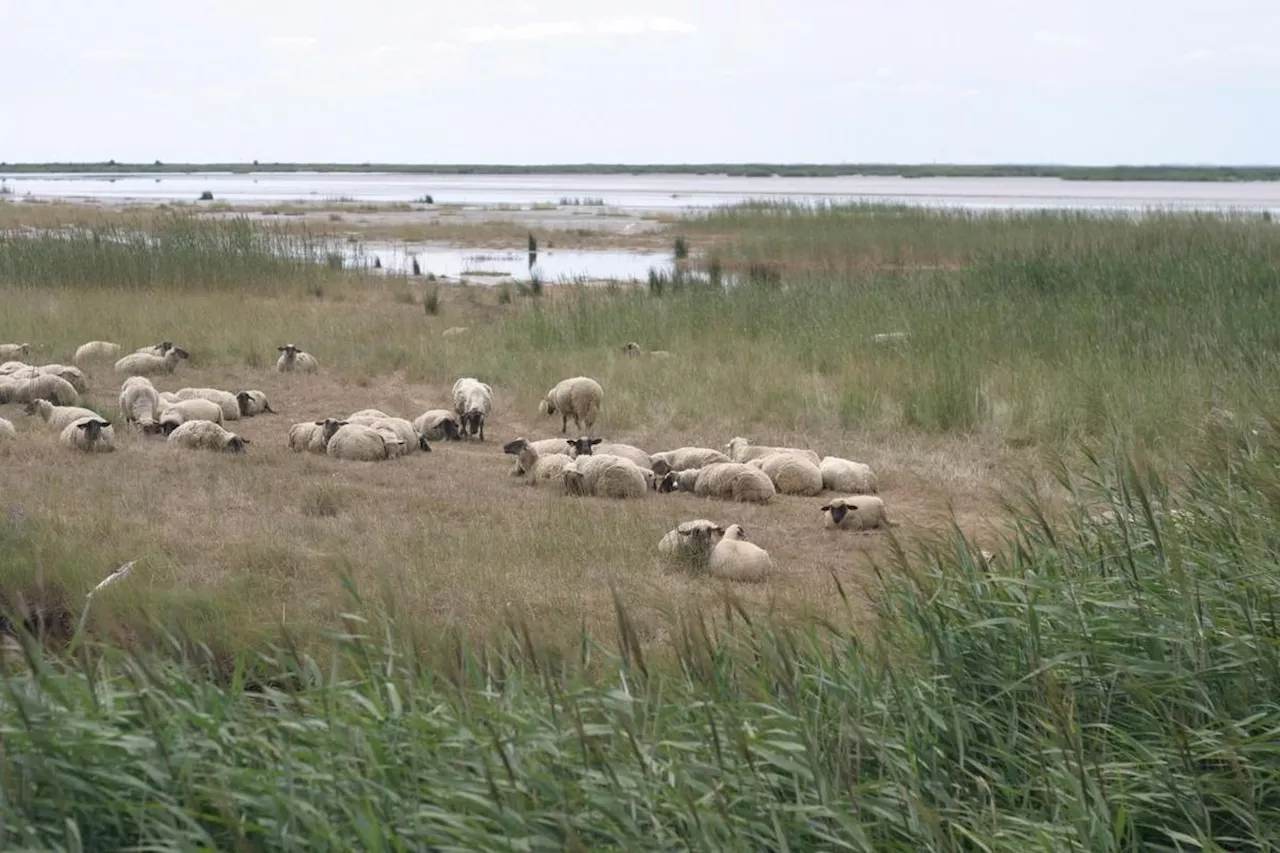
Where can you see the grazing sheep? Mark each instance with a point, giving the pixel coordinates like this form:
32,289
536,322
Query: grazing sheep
307,435
93,435
472,400
845,475
691,541
791,474
357,442
605,477
206,435
684,458
147,364
368,413
95,349
44,386
7,430
71,374
174,416
252,403
58,417
437,425
12,350
726,480
538,467
226,401
139,402
161,349
862,512
292,358
741,450
585,446
634,349
578,398
734,558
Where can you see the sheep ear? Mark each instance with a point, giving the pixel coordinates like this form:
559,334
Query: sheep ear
718,529
245,440
825,508
596,441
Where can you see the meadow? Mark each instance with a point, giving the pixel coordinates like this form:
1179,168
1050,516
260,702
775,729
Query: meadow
424,654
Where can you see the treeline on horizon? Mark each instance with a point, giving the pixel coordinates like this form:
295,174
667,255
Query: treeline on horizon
753,170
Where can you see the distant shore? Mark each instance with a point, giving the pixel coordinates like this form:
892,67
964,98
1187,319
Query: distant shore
756,170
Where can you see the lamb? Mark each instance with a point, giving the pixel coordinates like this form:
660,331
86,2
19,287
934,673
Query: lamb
605,476
206,435
161,349
71,374
634,349
307,435
139,402
226,401
58,417
172,417
472,400
734,558
92,435
147,364
691,541
684,458
44,386
437,425
13,350
250,403
791,474
585,446
862,512
95,349
845,475
741,450
726,480
357,442
293,359
7,430
578,398
539,467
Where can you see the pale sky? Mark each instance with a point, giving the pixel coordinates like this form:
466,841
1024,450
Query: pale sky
647,81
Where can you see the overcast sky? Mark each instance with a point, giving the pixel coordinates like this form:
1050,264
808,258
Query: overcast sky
560,81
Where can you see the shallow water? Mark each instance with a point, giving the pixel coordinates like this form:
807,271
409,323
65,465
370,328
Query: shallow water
652,192
551,266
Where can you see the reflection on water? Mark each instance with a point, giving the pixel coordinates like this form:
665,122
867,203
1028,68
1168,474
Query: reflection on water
550,265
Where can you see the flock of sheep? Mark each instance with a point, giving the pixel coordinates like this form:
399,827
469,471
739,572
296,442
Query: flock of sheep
195,418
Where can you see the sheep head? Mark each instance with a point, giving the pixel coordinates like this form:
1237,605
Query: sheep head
581,446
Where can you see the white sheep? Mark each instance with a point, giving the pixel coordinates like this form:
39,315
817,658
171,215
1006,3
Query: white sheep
147,364
437,425
72,374
544,447
538,467
472,400
845,475
791,474
579,398
139,403
206,435
252,403
14,350
293,359
634,349
405,432
93,435
307,435
58,417
368,413
585,446
605,477
44,386
726,480
357,442
226,401
168,397
19,370
95,349
684,458
7,430
860,512
177,414
691,541
734,558
742,450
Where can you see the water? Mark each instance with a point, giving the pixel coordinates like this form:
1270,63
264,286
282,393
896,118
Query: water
653,192
551,266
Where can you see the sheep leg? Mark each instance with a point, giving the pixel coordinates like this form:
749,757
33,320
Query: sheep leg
564,423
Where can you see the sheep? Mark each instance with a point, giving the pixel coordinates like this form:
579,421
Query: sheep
726,480
161,349
368,413
72,374
293,359
226,401
437,425
174,416
791,474
684,458
472,400
634,349
139,403
845,475
7,430
18,370
605,476
95,349
357,442
544,447
307,435
147,364
405,432
250,403
12,350
58,417
861,512
93,435
579,398
585,446
44,386
691,541
734,558
206,435
538,467
169,398
741,450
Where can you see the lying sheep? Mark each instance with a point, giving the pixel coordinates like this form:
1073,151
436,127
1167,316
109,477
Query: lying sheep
579,398
7,430
206,435
58,417
14,350
95,349
725,480
791,474
691,541
139,403
605,477
684,458
845,475
404,431
741,450
544,447
226,401
161,349
862,512
368,413
537,467
44,386
472,401
147,364
174,416
252,403
357,442
437,425
92,435
307,435
585,446
73,375
634,349
19,370
293,359
734,558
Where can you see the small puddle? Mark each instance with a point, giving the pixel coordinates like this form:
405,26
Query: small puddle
549,265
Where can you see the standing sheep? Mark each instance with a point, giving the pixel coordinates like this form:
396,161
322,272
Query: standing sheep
58,417
862,512
146,364
791,474
139,402
174,416
437,425
293,359
472,400
684,458
605,476
538,467
206,435
92,435
734,558
741,450
691,541
14,350
252,403
845,475
585,446
579,398
95,349
725,480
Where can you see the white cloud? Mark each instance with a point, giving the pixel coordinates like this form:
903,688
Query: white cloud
561,29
